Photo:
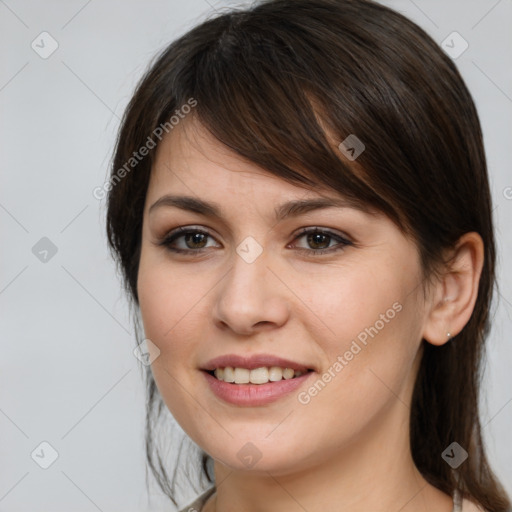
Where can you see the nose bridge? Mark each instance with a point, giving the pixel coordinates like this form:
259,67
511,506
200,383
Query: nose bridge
247,295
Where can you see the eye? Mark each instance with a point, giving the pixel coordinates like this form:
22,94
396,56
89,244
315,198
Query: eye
195,240
320,239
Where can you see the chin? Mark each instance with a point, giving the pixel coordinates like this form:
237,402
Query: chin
259,457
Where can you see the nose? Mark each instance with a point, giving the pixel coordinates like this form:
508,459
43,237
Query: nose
250,297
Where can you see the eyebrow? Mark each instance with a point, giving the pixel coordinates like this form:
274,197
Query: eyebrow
292,208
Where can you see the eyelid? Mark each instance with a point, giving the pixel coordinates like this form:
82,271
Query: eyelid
313,229
182,230
301,231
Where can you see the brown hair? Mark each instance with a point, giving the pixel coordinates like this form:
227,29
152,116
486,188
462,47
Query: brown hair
262,78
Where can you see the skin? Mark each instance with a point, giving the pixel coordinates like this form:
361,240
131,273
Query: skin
353,436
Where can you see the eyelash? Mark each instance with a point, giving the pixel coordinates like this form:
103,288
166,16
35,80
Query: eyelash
176,234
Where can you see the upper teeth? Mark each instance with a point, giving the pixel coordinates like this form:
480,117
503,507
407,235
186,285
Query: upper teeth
256,376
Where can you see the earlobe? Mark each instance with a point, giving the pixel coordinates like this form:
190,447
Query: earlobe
454,296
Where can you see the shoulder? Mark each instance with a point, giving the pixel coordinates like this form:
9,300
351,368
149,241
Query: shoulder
198,503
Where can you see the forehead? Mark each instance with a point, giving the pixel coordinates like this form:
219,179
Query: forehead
191,161
191,155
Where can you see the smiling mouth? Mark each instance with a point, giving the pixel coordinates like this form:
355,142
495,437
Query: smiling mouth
262,375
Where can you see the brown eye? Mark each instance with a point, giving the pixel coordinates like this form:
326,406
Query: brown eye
319,241
195,240
192,240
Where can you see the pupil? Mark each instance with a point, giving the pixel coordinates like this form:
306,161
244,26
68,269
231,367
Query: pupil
316,238
196,238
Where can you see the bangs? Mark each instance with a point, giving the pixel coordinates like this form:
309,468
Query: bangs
254,96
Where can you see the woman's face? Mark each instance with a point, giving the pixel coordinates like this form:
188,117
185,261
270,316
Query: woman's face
255,284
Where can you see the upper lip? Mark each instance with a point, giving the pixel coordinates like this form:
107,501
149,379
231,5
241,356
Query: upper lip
251,362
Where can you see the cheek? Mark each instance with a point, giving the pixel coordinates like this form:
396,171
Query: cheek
369,338
163,306
166,309
345,300
173,305
361,383
166,295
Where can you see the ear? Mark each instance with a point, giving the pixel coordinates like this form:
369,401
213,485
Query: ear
454,295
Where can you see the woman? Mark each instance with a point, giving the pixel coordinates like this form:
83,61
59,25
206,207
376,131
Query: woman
300,208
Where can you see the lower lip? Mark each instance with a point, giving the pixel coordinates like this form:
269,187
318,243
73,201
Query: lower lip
251,395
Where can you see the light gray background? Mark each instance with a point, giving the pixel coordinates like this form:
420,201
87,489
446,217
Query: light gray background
68,375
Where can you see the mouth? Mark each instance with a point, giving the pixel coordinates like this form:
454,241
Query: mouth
258,376
257,386
255,380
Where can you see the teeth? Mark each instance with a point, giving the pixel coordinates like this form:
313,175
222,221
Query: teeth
275,373
288,373
229,374
259,376
242,376
256,376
